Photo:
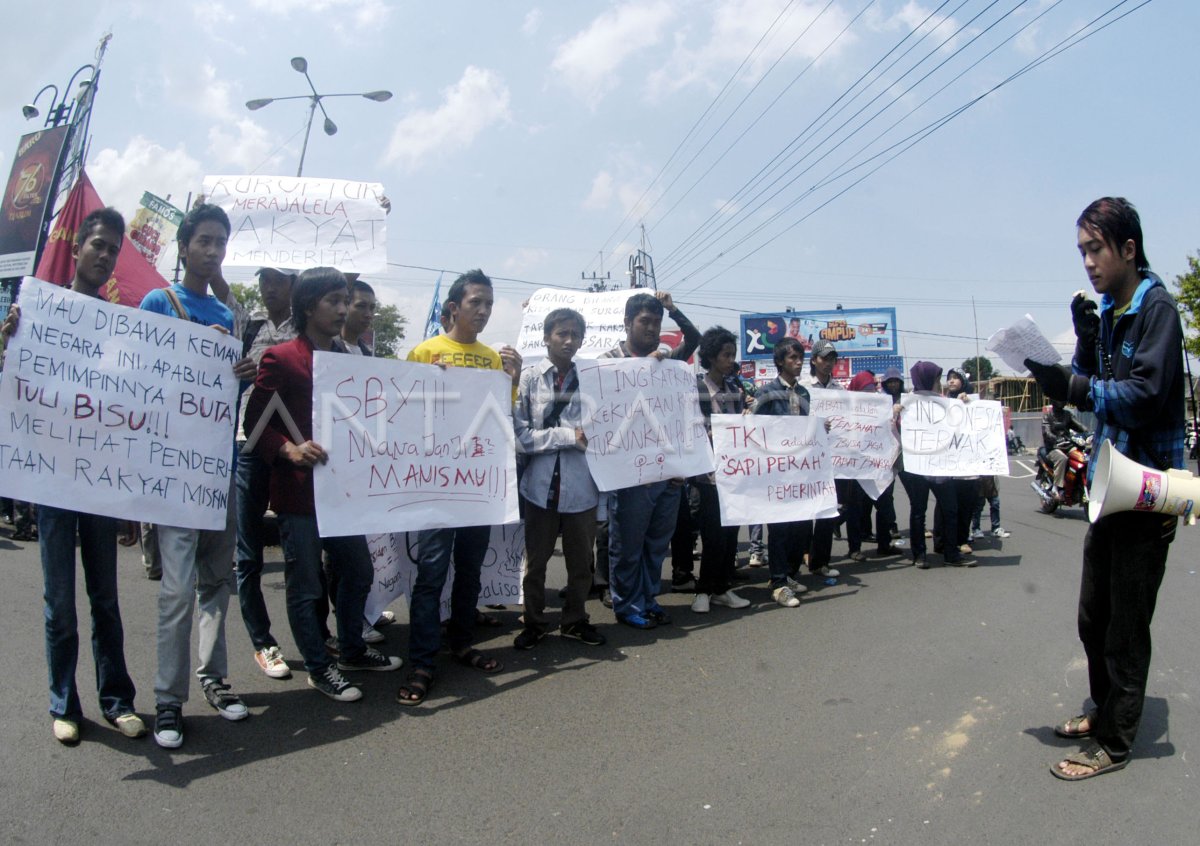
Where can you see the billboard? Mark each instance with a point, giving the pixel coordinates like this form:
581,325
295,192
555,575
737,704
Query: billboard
854,331
153,227
26,198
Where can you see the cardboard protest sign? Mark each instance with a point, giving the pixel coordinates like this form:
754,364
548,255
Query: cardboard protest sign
862,442
949,437
411,446
114,411
603,311
772,469
642,421
301,222
394,556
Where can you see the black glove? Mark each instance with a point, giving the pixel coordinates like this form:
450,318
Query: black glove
1059,383
1087,322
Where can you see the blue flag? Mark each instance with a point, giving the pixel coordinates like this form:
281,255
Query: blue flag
434,324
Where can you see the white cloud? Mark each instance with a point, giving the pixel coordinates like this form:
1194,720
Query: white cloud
235,139
601,193
624,182
737,26
525,259
243,144
479,99
533,20
122,176
363,13
587,63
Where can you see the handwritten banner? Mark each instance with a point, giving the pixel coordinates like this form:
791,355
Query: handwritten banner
642,420
862,442
603,311
948,437
296,223
772,469
394,556
119,412
411,446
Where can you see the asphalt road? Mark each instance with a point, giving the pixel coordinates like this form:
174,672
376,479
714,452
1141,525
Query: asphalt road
899,706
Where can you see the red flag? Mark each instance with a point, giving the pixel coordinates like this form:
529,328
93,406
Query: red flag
133,277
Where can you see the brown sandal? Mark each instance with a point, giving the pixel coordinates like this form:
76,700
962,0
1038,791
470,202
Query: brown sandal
1094,757
1072,728
415,688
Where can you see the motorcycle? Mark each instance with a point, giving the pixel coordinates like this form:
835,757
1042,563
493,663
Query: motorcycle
1078,449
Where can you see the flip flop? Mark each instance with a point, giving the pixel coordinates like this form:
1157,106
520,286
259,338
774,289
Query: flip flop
1093,756
1071,728
418,683
476,660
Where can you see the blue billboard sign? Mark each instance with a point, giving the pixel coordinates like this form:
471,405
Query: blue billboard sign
853,331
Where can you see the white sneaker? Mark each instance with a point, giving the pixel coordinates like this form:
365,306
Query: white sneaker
386,618
758,560
372,634
827,573
270,661
785,597
1001,532
796,587
700,603
976,534
730,600
67,731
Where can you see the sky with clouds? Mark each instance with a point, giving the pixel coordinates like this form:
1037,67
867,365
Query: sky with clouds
799,153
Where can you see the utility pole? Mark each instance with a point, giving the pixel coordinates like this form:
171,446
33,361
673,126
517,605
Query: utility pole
599,281
641,266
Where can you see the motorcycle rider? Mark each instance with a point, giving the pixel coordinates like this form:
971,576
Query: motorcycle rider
1057,425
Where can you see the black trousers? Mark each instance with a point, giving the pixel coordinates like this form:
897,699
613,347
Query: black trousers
1124,556
718,550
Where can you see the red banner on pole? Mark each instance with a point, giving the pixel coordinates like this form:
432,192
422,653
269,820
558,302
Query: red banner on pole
133,277
26,199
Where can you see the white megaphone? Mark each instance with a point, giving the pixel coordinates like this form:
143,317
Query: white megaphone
1121,484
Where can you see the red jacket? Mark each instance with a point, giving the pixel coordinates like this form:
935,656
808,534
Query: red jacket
286,370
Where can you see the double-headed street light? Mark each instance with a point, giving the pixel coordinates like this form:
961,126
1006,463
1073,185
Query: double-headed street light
300,64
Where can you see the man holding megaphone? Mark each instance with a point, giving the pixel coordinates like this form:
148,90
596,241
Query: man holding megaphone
1128,370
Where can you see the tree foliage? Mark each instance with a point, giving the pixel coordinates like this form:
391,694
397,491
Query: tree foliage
389,330
980,369
247,295
1188,297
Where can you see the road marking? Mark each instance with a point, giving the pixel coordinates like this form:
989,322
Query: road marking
1024,465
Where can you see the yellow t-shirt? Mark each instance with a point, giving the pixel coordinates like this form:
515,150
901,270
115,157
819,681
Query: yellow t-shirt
442,349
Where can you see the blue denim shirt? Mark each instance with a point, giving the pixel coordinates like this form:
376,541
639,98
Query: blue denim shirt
535,397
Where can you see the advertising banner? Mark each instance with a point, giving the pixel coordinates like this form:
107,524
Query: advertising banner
27,198
152,230
853,331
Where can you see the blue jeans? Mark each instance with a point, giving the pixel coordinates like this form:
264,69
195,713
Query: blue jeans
994,511
253,492
468,545
302,547
98,553
639,534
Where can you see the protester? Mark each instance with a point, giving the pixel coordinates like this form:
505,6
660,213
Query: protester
1128,371
926,379
642,338
816,536
966,488
559,494
642,518
267,328
469,302
197,565
859,502
319,301
720,392
786,542
97,244
989,492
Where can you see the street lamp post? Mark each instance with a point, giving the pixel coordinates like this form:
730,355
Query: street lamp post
300,65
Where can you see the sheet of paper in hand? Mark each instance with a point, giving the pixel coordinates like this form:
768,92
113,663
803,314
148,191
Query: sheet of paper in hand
772,469
411,446
114,411
1020,341
643,422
